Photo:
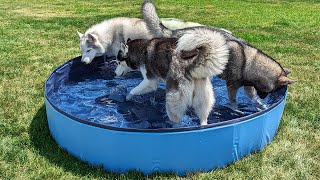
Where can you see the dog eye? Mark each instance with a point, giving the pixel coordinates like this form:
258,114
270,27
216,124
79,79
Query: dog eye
89,50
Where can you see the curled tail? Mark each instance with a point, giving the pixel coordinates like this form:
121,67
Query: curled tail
152,20
213,51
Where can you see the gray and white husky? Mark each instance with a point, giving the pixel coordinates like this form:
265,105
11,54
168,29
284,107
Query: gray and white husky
105,37
247,66
186,64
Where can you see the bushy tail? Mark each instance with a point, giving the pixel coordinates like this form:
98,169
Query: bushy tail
213,51
152,20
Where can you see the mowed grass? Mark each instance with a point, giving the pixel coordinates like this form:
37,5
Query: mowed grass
38,36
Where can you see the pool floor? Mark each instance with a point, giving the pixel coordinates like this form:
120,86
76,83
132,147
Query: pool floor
103,101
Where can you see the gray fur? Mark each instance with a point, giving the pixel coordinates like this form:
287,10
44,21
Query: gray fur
105,37
247,65
171,60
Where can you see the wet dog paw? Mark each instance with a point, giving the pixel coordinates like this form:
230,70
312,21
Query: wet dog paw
261,107
129,97
234,108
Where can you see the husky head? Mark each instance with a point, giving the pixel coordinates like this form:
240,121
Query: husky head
123,66
263,88
90,47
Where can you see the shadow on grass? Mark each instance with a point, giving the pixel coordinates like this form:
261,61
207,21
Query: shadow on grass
46,146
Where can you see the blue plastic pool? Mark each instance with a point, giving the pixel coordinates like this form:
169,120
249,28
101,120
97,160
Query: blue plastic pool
89,117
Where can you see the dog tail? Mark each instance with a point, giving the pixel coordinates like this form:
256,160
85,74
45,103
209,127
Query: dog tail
150,16
213,51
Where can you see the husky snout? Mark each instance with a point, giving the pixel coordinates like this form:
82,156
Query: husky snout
122,69
86,60
88,56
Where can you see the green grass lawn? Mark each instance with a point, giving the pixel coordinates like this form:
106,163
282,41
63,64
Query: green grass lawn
38,36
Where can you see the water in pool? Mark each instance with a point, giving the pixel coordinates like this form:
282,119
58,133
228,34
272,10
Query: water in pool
102,101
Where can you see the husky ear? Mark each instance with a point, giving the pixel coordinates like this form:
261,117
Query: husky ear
287,71
80,34
92,38
189,54
283,81
122,46
128,40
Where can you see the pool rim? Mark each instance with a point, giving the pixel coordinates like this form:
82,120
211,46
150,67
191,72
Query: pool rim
161,130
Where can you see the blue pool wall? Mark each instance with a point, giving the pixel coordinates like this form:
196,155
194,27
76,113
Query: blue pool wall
179,151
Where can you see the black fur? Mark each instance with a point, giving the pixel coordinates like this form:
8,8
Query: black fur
156,61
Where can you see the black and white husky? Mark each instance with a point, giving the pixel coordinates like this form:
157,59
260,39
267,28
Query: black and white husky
186,64
247,66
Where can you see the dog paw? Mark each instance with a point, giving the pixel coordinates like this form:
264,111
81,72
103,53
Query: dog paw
264,106
203,123
238,111
129,97
174,124
261,107
234,108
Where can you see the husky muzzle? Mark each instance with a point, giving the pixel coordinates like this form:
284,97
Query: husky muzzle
88,56
122,69
86,60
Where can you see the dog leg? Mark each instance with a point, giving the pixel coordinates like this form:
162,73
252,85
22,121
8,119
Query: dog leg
178,100
176,105
203,99
233,87
144,87
251,92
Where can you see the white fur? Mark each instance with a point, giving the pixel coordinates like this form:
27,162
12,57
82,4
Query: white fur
110,33
173,23
147,85
178,101
86,60
87,57
203,99
252,93
79,34
197,94
216,52
122,69
152,19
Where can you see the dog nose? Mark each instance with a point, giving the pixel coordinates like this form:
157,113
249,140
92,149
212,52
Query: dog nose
86,60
